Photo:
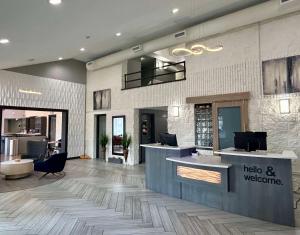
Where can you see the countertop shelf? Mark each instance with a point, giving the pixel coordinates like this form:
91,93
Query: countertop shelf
159,146
209,161
287,154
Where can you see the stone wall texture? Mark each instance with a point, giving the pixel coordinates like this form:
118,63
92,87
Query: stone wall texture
56,94
237,68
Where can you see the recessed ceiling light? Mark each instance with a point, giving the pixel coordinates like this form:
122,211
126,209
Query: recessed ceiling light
55,2
175,10
142,58
60,58
118,34
4,41
82,49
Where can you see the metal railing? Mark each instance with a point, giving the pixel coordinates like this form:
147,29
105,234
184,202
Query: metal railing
171,72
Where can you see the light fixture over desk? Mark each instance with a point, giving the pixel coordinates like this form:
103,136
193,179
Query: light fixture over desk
197,49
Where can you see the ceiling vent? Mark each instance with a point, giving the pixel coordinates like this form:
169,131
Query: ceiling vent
137,48
180,34
285,1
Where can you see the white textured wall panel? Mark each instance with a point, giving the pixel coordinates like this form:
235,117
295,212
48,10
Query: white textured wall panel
56,94
280,38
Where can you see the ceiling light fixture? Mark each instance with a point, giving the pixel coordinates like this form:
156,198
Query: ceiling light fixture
118,34
197,49
175,10
4,41
82,49
60,58
55,2
30,92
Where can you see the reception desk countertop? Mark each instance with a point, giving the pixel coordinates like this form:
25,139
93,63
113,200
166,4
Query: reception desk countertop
290,155
159,146
209,161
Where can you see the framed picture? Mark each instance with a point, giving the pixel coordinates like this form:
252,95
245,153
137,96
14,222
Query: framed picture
102,99
281,76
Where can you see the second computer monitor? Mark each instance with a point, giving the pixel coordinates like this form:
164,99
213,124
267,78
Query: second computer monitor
168,139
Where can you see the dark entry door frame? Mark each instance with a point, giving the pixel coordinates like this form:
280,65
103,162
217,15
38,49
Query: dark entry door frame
97,144
152,132
65,121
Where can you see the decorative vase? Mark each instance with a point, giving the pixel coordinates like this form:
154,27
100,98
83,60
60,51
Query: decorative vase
125,152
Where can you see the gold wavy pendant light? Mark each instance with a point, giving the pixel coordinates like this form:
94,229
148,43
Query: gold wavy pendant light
197,49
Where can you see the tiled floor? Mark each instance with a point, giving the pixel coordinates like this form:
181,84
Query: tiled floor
100,198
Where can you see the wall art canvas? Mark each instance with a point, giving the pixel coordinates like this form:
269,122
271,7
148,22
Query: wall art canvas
102,99
281,76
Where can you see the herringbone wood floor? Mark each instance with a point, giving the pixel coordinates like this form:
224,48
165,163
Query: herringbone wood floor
100,198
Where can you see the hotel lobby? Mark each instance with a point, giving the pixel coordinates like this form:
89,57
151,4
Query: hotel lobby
142,117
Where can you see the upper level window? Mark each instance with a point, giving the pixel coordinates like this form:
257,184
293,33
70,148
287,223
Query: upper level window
147,71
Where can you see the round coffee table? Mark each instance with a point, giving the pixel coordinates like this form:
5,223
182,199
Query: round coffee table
16,169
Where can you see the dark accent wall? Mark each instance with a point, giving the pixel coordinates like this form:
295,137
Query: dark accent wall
147,70
160,121
67,70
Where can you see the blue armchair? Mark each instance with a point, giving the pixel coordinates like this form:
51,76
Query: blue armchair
54,164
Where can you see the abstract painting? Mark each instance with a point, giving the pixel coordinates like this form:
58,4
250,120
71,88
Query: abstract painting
102,99
281,76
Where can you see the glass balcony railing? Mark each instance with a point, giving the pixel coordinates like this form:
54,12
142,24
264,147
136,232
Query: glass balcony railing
168,72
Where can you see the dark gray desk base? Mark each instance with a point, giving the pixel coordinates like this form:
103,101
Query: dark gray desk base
159,172
266,201
270,202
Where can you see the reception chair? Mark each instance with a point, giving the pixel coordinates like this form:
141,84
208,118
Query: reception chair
54,164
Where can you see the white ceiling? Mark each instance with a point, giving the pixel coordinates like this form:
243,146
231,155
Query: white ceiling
40,31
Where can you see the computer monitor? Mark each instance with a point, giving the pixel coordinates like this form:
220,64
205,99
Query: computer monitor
250,141
168,139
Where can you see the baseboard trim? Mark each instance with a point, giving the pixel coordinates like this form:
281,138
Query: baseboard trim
73,158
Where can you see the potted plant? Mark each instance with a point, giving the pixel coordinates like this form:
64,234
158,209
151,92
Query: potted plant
103,143
126,141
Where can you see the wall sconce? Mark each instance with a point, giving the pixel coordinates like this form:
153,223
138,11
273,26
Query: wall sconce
284,106
30,92
174,111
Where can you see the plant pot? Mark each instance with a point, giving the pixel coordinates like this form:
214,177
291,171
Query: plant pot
104,153
125,152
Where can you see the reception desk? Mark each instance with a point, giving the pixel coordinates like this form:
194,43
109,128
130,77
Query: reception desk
255,184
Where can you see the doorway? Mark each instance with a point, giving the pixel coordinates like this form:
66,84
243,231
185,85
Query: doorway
229,117
153,121
25,125
100,130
